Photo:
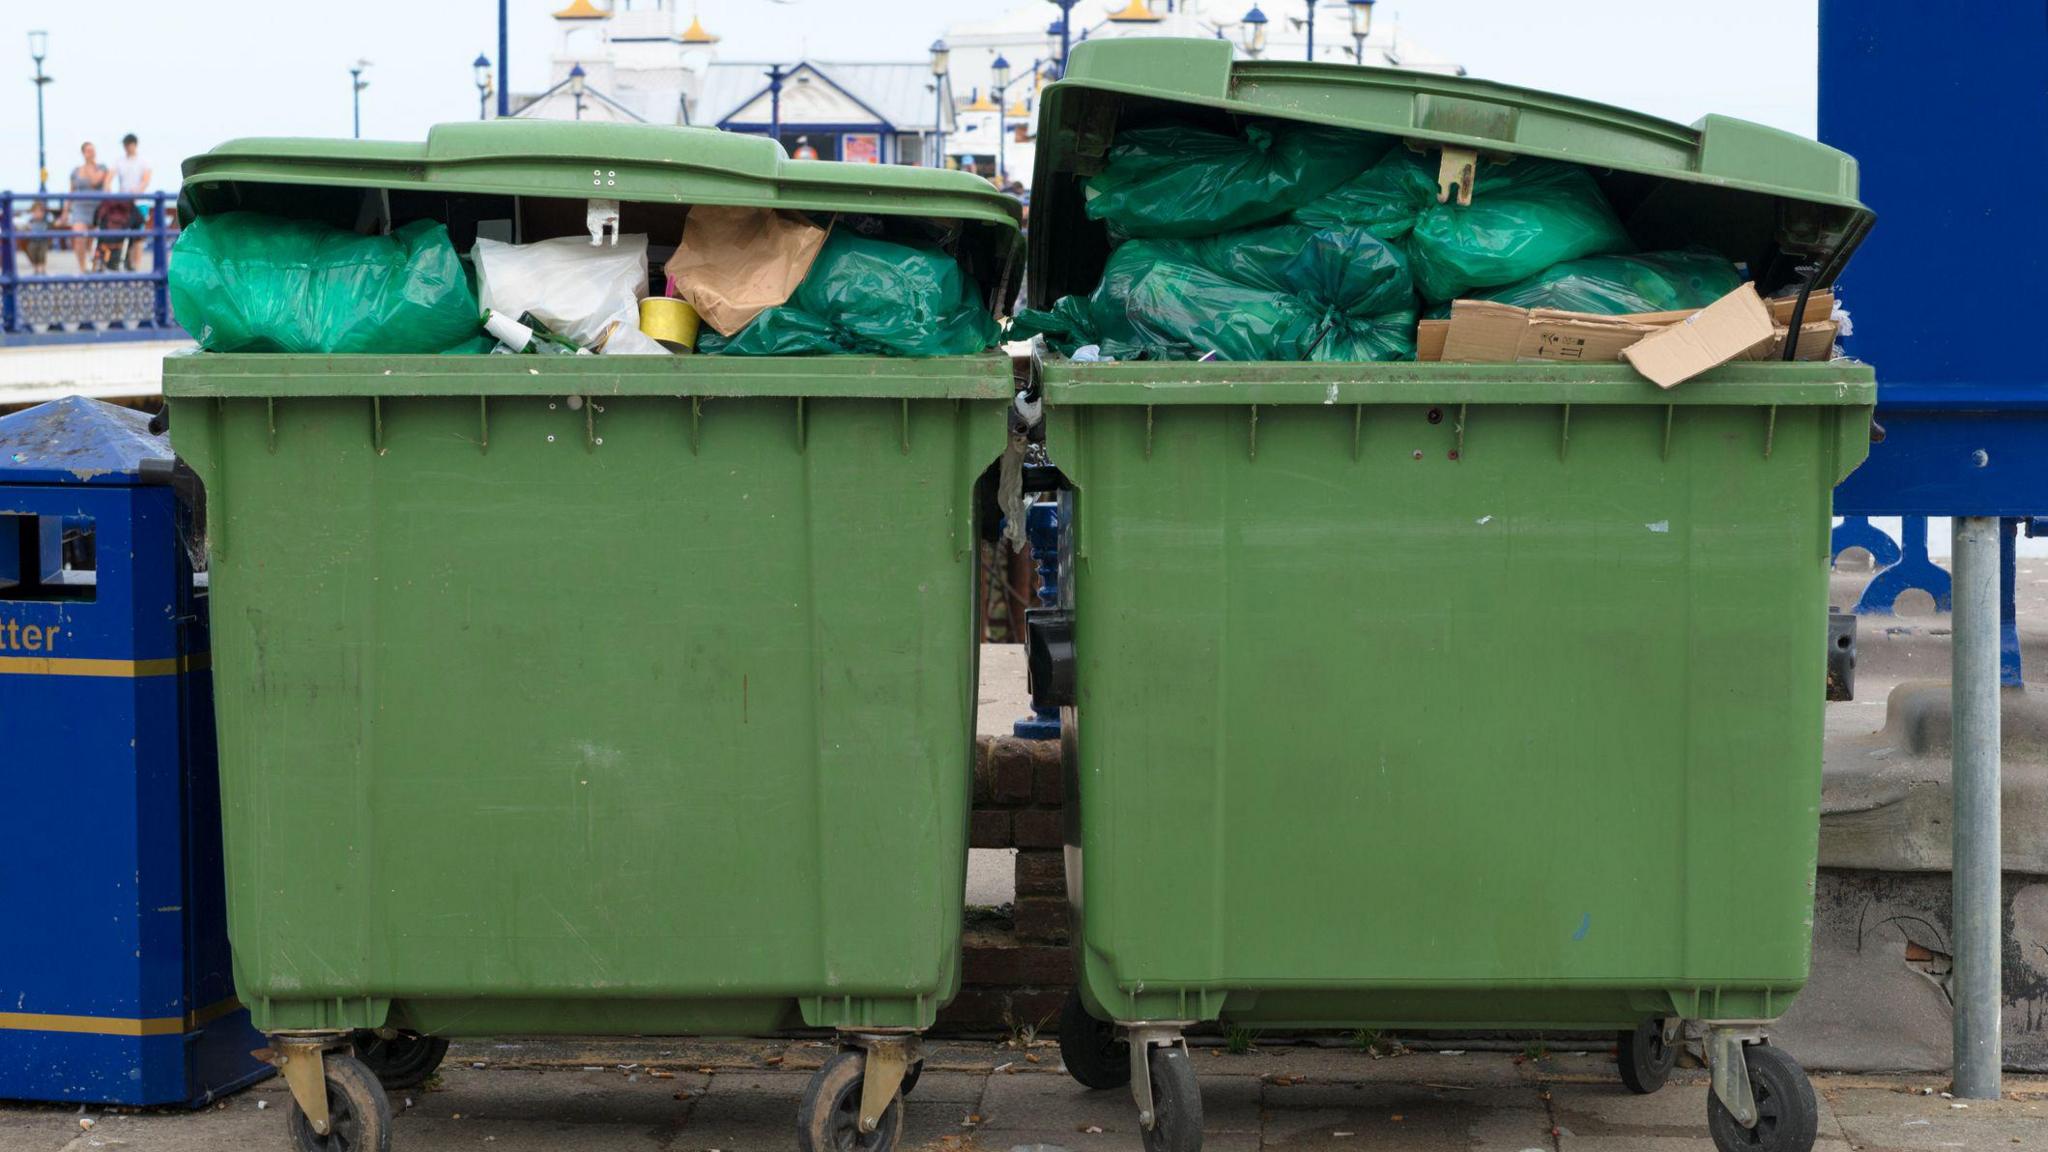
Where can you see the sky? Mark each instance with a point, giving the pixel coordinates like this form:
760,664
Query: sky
186,76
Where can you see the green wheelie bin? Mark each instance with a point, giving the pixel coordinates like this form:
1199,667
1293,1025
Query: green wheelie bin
593,694
1444,695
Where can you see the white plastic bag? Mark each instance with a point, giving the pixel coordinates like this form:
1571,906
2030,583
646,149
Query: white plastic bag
578,290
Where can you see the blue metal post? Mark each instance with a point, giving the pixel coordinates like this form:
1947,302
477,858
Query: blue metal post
1042,530
775,75
504,66
1914,570
7,276
1311,31
2009,671
160,258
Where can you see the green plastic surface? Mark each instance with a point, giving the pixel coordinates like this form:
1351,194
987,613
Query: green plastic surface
586,694
1443,695
1734,185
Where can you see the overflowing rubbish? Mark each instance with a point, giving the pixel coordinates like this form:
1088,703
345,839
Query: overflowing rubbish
1177,180
526,334
1620,284
1282,292
251,282
735,263
869,296
590,295
1525,215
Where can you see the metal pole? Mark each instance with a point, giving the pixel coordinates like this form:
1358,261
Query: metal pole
42,155
1977,931
1001,151
355,84
8,276
1066,33
160,258
504,66
1311,31
775,102
939,122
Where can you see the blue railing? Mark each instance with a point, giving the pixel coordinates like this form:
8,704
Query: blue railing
111,300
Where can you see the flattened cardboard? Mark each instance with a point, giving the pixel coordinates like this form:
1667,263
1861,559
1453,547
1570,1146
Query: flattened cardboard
1486,331
1429,339
1716,334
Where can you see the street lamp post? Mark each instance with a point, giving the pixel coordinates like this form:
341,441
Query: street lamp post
483,86
38,48
1361,27
356,86
1311,31
504,65
775,75
576,75
940,57
1065,25
1252,32
999,79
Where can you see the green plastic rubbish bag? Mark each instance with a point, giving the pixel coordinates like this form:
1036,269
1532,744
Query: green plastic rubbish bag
1618,285
1526,215
1174,180
1283,292
249,282
872,297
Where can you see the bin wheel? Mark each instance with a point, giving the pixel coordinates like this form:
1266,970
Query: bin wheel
828,1118
358,1112
404,1061
1787,1118
910,1076
1176,1103
1090,1049
1645,1059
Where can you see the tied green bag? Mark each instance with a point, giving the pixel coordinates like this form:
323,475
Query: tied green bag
1283,292
1526,215
1179,181
248,282
871,297
1619,285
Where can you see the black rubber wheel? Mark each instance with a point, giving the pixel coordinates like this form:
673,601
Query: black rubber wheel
404,1061
910,1076
1176,1103
828,1118
358,1112
1644,1058
1788,1118
1090,1048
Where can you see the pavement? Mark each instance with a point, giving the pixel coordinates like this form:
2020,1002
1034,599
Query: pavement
741,1096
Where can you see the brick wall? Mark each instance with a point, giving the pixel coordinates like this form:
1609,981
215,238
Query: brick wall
1016,972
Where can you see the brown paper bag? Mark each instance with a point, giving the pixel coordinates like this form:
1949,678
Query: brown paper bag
735,263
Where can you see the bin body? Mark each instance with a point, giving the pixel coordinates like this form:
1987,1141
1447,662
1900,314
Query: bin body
1477,695
613,694
114,974
653,714
1440,694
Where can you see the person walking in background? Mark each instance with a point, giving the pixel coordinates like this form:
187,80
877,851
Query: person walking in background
89,176
35,228
131,178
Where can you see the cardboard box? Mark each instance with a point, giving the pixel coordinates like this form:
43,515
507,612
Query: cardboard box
1484,331
1716,334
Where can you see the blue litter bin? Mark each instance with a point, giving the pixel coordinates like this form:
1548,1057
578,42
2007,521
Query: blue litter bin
114,974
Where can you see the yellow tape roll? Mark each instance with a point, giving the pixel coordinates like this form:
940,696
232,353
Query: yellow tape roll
670,321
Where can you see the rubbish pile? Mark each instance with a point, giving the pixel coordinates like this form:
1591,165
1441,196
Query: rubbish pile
741,282
1282,241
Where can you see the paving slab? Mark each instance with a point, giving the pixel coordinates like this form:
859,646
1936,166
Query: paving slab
1886,1119
1394,1116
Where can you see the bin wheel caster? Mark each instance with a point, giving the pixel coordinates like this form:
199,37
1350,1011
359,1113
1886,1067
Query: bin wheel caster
1090,1048
1176,1102
828,1119
1787,1117
910,1076
1645,1058
403,1061
358,1112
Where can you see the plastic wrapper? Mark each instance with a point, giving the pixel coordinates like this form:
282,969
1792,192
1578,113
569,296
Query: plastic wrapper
1620,285
1526,215
1283,292
870,297
588,293
1174,180
250,282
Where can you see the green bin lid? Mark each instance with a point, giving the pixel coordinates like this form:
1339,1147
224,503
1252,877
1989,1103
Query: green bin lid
630,163
1738,187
